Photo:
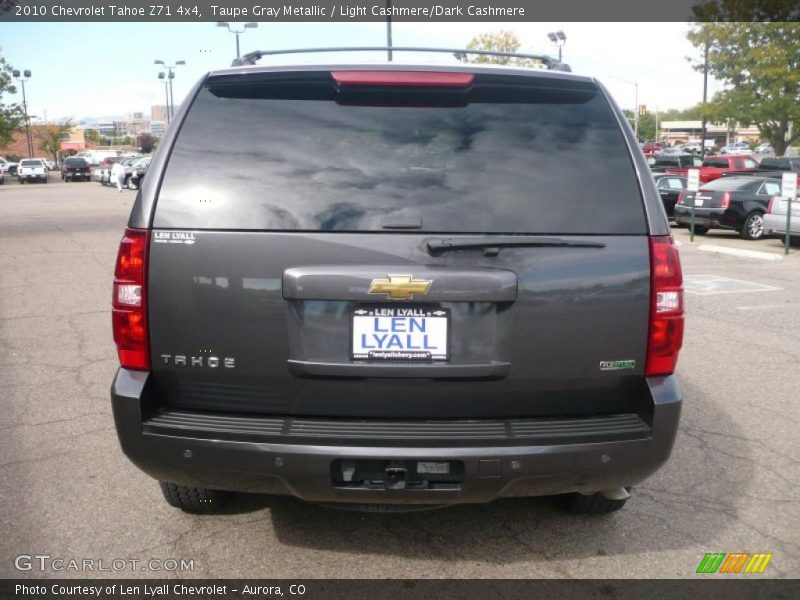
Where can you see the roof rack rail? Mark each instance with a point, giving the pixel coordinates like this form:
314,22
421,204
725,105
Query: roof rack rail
551,63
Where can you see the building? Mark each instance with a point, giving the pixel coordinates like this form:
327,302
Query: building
158,113
680,132
75,142
157,128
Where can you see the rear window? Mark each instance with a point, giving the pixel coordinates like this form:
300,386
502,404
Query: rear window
716,162
508,155
75,162
779,164
732,183
31,163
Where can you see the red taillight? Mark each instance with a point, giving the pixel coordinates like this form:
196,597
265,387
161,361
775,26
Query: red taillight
666,307
771,204
726,200
403,78
129,314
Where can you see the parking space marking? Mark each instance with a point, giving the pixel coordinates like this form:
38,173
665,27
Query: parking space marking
740,252
769,306
710,285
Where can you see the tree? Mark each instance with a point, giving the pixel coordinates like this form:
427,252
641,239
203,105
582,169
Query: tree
91,135
50,136
497,41
760,64
145,142
11,115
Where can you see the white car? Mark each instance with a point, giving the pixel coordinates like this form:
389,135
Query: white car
47,162
764,149
736,148
6,166
32,169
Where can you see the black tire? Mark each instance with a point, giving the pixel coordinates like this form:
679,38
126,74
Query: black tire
133,184
753,228
194,499
594,504
700,230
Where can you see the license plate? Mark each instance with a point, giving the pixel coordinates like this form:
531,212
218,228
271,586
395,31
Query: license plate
433,468
381,332
698,202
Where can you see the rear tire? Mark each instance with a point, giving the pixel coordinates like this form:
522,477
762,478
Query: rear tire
753,228
699,230
132,184
194,499
594,504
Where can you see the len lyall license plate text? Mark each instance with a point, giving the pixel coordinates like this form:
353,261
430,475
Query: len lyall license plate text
400,333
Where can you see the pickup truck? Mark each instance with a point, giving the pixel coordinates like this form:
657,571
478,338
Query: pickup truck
32,169
714,167
773,167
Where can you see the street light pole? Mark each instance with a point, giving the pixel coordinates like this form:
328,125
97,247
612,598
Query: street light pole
389,30
635,85
163,75
170,77
227,25
705,95
559,38
22,78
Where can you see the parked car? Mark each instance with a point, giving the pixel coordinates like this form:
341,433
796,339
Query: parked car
669,188
650,148
674,151
138,170
714,167
737,203
676,161
75,169
695,147
96,157
775,217
2,178
764,149
102,173
736,148
779,165
51,165
8,167
252,291
32,169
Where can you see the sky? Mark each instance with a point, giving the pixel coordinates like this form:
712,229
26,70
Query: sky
106,69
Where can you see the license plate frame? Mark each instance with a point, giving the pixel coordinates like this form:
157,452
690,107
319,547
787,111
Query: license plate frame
435,313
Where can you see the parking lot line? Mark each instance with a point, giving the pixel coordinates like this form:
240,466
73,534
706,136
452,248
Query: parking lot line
769,306
740,252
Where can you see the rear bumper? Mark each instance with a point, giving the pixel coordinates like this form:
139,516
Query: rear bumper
238,459
704,217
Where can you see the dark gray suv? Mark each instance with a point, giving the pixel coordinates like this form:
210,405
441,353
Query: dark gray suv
388,285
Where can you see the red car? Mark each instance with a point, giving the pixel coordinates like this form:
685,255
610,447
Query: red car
650,148
715,167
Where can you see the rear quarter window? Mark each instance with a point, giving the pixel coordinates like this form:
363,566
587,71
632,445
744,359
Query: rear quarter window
506,157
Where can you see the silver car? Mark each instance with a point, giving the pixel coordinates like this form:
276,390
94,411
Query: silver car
775,217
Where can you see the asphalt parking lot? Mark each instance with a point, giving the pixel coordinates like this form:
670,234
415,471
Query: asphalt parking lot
67,491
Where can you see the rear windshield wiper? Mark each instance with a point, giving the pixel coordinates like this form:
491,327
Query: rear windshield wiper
491,244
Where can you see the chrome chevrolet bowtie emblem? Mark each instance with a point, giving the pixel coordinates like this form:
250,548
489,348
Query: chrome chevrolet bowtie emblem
400,287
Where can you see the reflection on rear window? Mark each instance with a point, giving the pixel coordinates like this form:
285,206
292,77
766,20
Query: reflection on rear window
282,163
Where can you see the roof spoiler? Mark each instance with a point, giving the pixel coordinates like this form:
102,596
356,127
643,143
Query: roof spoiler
548,61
